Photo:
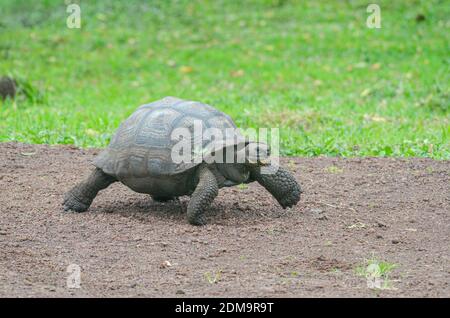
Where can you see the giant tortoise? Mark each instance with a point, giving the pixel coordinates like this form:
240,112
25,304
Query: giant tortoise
141,156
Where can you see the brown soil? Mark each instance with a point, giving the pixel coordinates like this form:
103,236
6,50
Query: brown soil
395,210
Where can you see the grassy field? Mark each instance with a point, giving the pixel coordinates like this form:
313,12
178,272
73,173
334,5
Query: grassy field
334,86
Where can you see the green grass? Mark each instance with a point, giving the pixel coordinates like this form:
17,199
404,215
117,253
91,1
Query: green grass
214,277
334,169
374,269
312,68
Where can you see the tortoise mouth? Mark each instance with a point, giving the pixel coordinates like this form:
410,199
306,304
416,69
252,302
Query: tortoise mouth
264,162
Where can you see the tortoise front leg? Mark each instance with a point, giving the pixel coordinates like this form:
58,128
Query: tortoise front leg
281,184
80,197
204,194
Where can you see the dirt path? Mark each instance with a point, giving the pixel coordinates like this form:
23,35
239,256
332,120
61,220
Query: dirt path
396,210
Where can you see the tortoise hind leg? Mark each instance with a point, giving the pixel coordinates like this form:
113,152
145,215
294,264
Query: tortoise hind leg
80,197
204,194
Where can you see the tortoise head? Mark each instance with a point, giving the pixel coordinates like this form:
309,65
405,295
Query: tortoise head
257,154
245,157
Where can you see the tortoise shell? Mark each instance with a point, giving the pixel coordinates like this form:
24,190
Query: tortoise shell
142,145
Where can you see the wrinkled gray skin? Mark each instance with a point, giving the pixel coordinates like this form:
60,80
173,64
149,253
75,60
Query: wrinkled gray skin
201,182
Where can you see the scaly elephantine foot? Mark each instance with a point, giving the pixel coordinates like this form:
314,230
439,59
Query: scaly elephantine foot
73,203
281,184
204,194
80,197
198,220
290,199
